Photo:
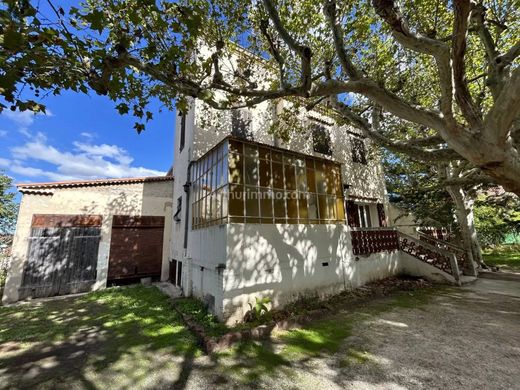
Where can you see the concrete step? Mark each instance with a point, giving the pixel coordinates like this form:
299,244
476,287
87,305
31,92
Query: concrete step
499,275
169,289
466,279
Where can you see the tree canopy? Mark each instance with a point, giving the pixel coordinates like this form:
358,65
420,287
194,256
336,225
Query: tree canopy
8,206
434,79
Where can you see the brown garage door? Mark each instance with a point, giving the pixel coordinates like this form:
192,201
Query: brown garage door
136,247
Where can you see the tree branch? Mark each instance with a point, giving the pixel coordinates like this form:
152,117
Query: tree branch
274,51
440,51
506,109
507,58
330,11
461,10
388,100
372,131
304,52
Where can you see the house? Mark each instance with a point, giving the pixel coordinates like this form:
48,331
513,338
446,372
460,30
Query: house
243,215
286,219
76,236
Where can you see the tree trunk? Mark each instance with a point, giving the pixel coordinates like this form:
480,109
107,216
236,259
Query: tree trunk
464,212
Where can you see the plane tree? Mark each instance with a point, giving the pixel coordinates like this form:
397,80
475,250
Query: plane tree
449,70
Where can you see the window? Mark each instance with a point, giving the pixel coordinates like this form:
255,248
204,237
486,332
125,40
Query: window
183,132
210,189
176,272
359,153
266,185
364,216
241,124
177,216
321,140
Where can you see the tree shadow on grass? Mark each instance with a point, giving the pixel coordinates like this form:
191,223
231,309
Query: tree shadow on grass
84,340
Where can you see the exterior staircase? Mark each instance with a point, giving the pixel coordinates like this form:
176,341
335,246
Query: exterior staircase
450,261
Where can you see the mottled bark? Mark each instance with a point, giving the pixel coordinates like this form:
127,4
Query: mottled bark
464,212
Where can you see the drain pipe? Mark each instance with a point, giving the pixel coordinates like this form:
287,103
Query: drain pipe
187,187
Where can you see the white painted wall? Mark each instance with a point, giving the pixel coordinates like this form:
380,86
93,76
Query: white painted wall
404,221
152,198
285,261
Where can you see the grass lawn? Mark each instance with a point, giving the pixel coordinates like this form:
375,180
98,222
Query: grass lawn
507,257
116,338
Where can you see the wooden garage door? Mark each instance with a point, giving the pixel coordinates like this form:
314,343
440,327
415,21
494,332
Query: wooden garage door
136,247
62,255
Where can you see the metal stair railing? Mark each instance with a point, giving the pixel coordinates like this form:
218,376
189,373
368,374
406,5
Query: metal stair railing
439,258
458,251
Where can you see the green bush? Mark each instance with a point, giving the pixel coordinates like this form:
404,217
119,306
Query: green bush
198,311
495,220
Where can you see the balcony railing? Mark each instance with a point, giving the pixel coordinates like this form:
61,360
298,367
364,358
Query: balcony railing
373,240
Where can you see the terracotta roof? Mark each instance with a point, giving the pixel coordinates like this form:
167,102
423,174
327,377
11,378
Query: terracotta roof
92,183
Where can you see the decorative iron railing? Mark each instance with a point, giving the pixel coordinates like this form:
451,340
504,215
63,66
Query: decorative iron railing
366,241
459,252
439,258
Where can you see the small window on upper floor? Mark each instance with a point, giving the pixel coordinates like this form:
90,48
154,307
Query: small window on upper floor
241,124
359,152
183,132
321,139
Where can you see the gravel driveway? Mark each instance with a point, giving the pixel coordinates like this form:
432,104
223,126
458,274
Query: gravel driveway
467,338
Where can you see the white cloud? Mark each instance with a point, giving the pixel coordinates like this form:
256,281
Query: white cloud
21,118
88,135
104,150
85,161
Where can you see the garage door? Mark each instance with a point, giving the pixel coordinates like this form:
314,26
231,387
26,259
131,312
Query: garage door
136,247
62,255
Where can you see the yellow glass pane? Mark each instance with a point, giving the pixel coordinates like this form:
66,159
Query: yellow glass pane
301,179
290,177
266,203
235,146
265,173
292,204
321,181
329,175
252,202
235,168
302,206
276,156
331,205
279,204
311,180
277,175
251,171
236,200
264,153
250,150
340,208
312,209
324,210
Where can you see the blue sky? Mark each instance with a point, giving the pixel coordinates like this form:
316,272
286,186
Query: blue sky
83,137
